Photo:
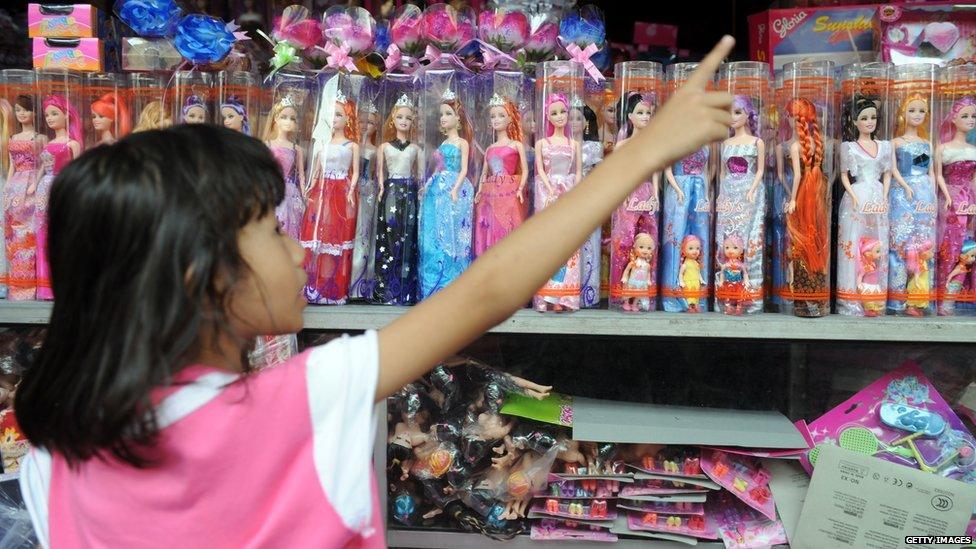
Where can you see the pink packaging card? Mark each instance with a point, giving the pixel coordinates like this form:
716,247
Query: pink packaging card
62,21
80,54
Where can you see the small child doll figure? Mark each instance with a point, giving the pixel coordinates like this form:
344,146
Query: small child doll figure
637,275
868,281
690,278
733,278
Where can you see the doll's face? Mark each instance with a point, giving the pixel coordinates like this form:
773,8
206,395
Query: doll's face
558,114
370,125
232,119
610,113
55,118
644,245
101,123
968,258
449,118
733,250
578,121
339,119
915,113
693,250
287,120
403,119
641,116
965,119
739,116
23,115
195,115
873,254
499,119
867,121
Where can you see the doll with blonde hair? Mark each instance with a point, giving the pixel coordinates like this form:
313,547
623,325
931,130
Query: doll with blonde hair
281,137
637,275
152,117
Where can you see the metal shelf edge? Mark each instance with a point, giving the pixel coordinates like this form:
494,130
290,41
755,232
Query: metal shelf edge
458,540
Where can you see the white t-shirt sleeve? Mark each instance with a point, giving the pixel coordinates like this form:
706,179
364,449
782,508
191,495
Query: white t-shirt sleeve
342,377
35,486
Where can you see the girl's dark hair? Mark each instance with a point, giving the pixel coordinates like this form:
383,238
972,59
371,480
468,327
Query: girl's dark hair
591,128
26,102
853,109
143,250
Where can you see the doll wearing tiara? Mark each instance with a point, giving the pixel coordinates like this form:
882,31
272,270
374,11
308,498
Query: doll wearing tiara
447,203
364,249
558,167
329,224
280,136
500,200
397,166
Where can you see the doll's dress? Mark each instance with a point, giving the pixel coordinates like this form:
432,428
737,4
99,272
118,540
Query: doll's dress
395,268
680,220
955,224
639,279
498,211
364,249
54,157
692,281
328,229
445,229
736,215
563,289
869,220
292,208
638,214
590,252
19,227
911,223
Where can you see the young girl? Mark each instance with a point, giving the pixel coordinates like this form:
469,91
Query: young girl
164,271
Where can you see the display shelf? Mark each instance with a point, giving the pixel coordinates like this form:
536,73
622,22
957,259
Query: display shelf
25,312
660,324
458,540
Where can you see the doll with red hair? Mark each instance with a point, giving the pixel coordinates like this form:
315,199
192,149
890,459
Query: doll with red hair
110,118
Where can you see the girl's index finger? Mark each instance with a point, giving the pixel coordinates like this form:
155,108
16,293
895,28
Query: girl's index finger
708,65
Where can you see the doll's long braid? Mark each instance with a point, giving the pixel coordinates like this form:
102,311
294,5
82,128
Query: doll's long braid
807,225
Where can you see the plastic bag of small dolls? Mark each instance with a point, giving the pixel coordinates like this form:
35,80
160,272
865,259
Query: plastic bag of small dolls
634,238
955,153
808,167
865,175
446,196
399,164
686,236
192,94
740,204
914,195
108,113
61,107
558,168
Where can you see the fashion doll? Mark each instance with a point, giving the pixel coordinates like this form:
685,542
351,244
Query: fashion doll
152,117
733,276
447,204
110,118
364,249
329,224
500,200
398,163
23,149
281,138
194,110
957,159
584,122
865,174
687,213
558,166
233,115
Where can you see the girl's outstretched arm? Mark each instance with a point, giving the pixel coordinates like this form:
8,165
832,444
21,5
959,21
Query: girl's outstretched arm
503,279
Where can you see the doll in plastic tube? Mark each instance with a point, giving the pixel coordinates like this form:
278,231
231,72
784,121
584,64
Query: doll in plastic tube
194,110
741,209
732,278
913,209
447,203
233,115
558,167
584,122
807,221
65,124
500,201
637,216
397,166
280,136
329,224
110,114
691,279
23,149
957,277
608,122
364,249
687,213
957,159
868,280
865,175
152,117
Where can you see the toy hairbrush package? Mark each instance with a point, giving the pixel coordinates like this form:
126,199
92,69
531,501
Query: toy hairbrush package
61,99
914,195
686,238
558,168
285,131
21,142
865,174
634,225
109,108
956,156
238,99
743,476
809,95
192,97
147,102
740,208
900,418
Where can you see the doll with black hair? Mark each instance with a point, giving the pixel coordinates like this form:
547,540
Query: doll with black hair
584,122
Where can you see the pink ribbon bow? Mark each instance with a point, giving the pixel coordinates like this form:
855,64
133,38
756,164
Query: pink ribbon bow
393,57
338,57
492,57
582,56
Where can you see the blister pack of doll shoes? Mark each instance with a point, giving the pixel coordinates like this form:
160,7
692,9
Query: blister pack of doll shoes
742,476
698,526
567,530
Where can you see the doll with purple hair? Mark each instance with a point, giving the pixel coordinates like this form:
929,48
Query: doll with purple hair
558,167
741,209
957,213
64,128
